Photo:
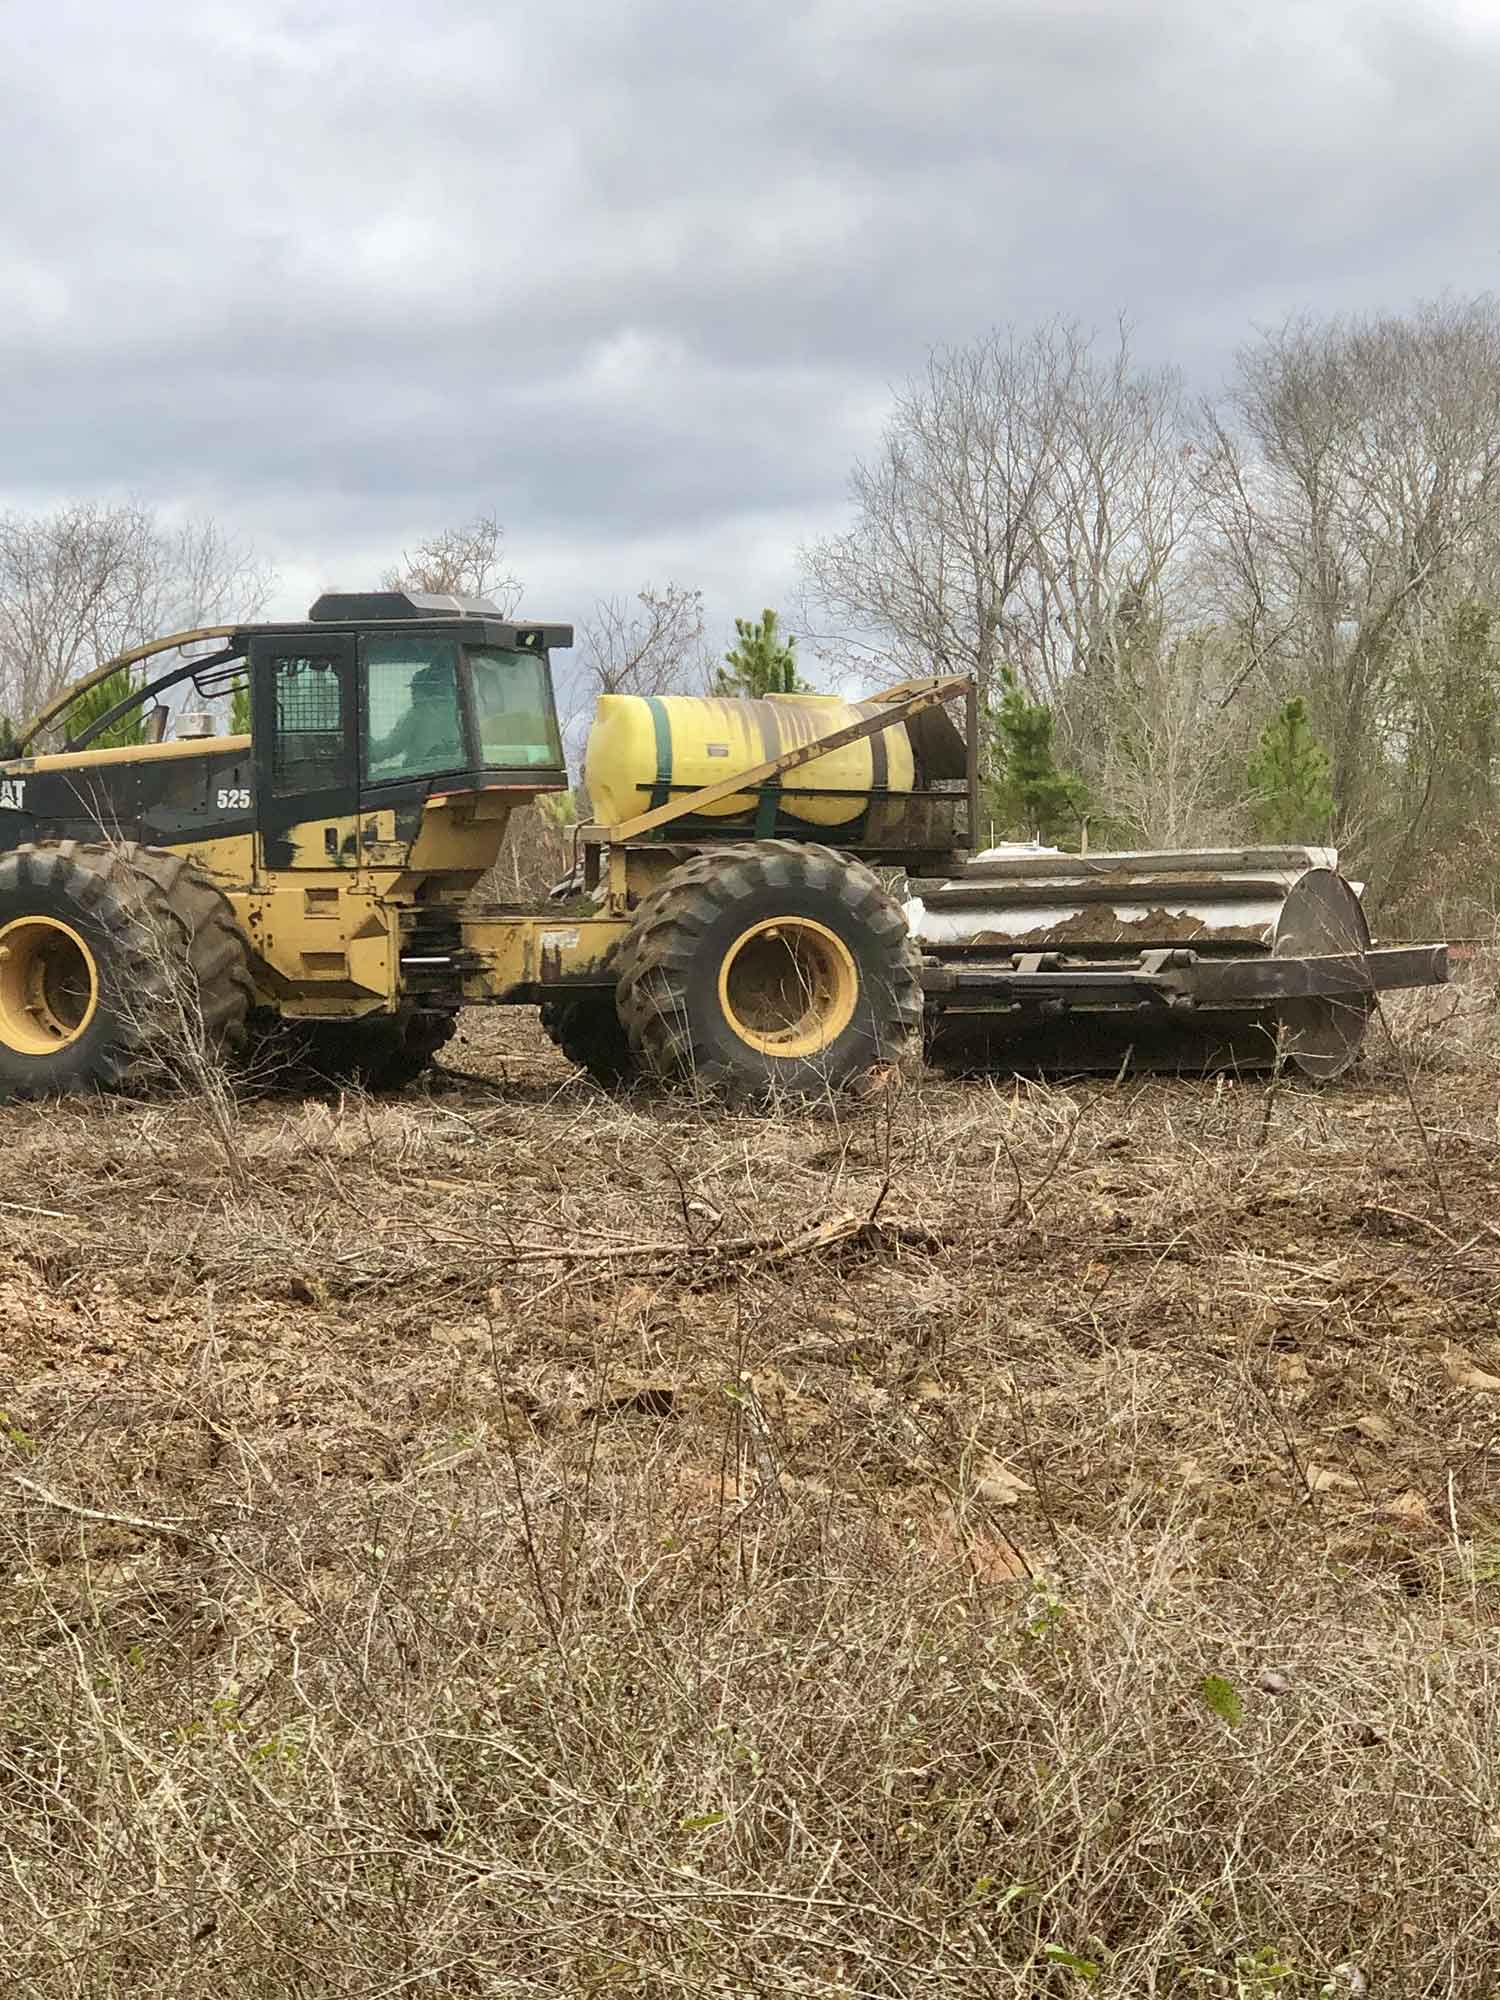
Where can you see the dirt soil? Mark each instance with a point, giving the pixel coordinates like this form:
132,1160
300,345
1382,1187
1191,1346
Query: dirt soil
1293,1282
368,1425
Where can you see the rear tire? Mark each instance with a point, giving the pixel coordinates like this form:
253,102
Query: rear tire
106,954
588,1029
770,967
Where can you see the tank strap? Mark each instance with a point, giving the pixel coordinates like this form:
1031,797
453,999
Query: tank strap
880,770
767,807
661,723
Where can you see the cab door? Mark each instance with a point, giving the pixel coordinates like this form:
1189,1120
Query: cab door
306,721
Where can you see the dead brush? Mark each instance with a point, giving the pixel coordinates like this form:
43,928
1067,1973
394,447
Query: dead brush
520,1730
1444,1029
522,1542
175,1052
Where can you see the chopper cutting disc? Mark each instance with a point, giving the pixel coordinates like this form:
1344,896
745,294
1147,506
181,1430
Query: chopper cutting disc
1322,915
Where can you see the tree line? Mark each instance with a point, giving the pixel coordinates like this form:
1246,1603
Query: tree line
1266,613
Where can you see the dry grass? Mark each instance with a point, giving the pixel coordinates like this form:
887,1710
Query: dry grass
988,1540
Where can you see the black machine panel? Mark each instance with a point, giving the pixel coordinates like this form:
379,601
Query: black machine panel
161,801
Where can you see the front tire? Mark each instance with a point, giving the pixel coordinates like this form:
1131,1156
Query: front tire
108,955
770,967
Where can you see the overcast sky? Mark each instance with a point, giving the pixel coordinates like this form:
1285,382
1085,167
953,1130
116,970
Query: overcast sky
638,275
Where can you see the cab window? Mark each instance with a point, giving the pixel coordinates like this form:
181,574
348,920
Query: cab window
413,722
513,709
310,744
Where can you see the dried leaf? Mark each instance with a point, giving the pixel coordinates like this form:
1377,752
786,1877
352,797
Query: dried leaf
1410,1509
1001,1492
1378,1429
999,1485
1327,1479
1464,1373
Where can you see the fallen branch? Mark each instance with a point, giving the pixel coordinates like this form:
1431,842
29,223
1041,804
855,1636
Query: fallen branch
769,1248
170,1530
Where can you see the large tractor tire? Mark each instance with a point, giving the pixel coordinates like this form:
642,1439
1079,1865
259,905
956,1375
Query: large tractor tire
108,955
383,1052
770,967
588,1029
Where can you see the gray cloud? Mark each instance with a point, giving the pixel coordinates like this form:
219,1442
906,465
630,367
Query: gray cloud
639,278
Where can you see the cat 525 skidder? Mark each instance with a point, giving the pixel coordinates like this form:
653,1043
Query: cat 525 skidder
725,921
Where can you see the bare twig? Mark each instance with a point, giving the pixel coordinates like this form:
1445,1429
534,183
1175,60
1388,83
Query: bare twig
171,1529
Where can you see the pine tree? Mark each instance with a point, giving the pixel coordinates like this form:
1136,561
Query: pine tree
1025,792
131,727
1288,773
760,662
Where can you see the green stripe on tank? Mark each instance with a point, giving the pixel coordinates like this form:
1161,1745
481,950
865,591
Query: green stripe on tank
661,723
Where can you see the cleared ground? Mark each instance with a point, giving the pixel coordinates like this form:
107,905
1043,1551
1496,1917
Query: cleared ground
981,1540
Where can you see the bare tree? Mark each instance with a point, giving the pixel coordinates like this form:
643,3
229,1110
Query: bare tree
1121,501
652,646
1023,487
1162,752
1329,527
466,561
1352,481
947,514
86,582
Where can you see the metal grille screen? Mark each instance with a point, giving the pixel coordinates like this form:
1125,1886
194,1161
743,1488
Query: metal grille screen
311,748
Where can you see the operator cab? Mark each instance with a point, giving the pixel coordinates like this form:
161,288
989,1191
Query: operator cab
384,688
385,700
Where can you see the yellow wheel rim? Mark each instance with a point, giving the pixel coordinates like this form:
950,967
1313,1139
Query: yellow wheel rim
49,985
788,987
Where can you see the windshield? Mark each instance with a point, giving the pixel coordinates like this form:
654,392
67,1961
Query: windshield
513,708
413,723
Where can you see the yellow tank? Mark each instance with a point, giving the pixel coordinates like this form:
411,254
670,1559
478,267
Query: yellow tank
641,744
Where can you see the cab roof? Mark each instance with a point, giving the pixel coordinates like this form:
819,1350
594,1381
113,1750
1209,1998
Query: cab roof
474,617
359,607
